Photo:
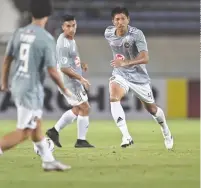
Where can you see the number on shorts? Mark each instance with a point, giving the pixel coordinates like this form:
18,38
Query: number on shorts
79,97
150,95
24,57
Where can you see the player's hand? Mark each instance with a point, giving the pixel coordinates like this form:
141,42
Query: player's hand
85,83
117,63
84,67
68,93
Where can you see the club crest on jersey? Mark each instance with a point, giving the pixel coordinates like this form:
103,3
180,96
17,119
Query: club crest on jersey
77,61
64,60
119,56
126,45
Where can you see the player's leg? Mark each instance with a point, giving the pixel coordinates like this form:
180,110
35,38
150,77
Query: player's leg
12,139
49,162
158,115
66,119
118,89
83,125
39,140
144,93
20,134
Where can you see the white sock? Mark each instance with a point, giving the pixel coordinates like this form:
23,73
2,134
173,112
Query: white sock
82,126
1,152
46,154
66,119
119,118
159,117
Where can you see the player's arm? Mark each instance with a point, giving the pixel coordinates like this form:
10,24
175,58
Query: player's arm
65,66
141,44
142,57
7,61
50,62
52,71
73,74
5,72
65,62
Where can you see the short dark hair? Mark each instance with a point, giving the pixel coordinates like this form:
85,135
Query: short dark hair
67,18
40,8
119,10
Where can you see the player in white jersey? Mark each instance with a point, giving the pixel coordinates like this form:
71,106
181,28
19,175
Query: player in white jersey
70,68
130,55
33,51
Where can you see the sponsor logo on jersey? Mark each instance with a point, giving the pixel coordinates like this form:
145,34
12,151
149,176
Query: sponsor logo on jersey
64,60
119,56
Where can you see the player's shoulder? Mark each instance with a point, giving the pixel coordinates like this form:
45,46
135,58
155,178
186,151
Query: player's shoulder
110,28
18,30
62,41
109,31
49,36
16,35
134,31
60,38
38,31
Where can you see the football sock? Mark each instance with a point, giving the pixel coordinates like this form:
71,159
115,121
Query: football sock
66,119
159,117
119,118
45,152
82,126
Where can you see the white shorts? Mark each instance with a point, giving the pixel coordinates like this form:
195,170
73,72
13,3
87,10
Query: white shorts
26,117
141,91
78,99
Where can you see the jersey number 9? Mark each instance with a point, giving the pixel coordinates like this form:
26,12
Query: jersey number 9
24,57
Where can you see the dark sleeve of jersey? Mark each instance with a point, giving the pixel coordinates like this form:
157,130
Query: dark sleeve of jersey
50,54
140,41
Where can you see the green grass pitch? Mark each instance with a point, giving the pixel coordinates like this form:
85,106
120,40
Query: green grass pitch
146,165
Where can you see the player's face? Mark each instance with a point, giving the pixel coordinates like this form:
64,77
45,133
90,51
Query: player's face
121,21
69,28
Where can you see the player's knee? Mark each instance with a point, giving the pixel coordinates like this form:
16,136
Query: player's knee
85,108
116,96
152,109
75,110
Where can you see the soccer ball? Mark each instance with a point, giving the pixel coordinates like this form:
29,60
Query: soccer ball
50,145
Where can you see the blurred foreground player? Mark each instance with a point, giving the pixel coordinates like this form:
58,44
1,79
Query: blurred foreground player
32,49
130,55
70,68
